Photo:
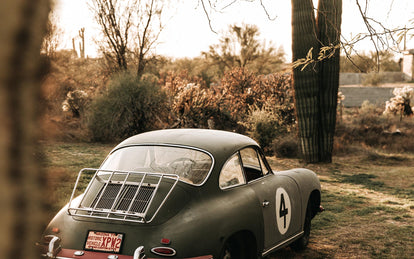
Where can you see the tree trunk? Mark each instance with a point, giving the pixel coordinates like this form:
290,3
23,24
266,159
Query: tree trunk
316,85
21,217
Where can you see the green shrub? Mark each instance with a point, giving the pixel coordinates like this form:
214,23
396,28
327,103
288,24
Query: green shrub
262,125
128,106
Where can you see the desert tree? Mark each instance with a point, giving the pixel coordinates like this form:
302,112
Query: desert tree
149,27
131,29
241,47
115,19
21,183
52,38
368,62
238,48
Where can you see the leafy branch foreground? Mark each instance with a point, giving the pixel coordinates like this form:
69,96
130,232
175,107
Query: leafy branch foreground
368,197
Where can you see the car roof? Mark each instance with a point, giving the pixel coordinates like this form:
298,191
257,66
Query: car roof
216,142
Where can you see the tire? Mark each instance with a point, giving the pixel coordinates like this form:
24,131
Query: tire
237,248
303,241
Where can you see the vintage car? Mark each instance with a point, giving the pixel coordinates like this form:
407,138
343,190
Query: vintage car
185,193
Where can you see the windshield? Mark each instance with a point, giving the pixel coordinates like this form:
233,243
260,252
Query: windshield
191,165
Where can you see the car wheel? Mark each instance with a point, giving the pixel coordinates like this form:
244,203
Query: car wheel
303,241
236,248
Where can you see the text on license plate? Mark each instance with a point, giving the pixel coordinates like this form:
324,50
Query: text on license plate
104,241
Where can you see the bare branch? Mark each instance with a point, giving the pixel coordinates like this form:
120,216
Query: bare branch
207,15
388,39
234,1
267,13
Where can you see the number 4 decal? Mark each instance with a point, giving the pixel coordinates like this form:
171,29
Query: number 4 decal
283,210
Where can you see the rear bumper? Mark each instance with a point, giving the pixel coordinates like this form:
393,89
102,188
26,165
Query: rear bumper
70,254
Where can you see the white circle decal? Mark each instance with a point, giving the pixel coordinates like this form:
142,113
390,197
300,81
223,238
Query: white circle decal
283,210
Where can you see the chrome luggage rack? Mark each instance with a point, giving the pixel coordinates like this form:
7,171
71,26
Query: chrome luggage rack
121,195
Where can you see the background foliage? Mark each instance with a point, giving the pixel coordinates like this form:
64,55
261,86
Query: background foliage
127,107
234,86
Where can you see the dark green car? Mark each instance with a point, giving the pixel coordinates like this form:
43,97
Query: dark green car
185,193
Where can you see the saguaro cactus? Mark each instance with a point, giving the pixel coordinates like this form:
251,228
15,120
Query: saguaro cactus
82,43
316,85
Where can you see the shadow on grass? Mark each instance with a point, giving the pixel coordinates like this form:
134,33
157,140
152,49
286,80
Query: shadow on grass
367,181
310,252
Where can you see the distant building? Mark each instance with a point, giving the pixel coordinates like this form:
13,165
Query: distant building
408,65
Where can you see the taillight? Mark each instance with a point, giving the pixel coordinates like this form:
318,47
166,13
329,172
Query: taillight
163,251
165,241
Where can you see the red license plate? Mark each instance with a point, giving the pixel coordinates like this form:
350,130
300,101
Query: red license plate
104,241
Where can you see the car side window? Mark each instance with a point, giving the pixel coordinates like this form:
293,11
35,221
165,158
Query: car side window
231,174
253,164
265,169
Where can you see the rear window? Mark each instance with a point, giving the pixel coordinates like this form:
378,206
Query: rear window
191,165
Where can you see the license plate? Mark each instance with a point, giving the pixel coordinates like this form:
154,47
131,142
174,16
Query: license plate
104,241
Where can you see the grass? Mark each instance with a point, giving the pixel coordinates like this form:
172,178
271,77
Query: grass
369,207
62,163
368,199
363,179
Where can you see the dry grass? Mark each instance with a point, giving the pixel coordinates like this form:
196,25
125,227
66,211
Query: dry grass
62,164
369,207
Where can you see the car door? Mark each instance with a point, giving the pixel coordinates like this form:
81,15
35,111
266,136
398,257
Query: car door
278,196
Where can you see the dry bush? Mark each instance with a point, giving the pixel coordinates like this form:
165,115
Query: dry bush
401,102
272,113
286,146
68,74
373,79
193,104
261,105
369,127
238,87
243,92
275,92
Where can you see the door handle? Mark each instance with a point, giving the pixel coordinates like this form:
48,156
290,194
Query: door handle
265,204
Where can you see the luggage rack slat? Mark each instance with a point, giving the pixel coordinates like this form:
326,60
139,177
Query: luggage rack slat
135,196
113,199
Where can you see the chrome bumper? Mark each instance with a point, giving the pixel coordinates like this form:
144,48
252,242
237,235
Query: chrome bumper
51,249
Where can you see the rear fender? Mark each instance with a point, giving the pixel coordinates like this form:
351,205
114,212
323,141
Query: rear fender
309,187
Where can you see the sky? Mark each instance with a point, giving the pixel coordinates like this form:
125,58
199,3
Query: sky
187,33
